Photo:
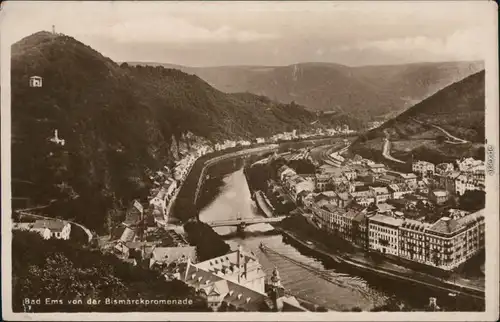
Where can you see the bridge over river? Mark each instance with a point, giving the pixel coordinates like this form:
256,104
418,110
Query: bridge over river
241,223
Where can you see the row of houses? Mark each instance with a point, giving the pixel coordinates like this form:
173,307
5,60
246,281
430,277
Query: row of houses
445,244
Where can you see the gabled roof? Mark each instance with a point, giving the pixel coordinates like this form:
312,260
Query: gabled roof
384,207
470,218
440,193
452,174
360,216
380,190
415,225
52,225
174,253
127,235
325,195
343,196
351,214
445,225
233,293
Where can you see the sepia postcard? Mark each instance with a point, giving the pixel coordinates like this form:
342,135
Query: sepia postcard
250,160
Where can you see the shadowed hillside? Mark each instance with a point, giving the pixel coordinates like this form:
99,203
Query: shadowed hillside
117,121
365,92
447,125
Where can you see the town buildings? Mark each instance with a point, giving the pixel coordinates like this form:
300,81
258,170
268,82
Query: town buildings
219,291
439,197
389,213
240,267
235,279
423,168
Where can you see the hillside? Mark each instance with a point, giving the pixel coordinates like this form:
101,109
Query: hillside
117,121
422,130
63,271
366,92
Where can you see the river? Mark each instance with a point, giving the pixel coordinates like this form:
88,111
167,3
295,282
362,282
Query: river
233,200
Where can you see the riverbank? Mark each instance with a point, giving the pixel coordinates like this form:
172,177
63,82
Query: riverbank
264,204
384,269
186,206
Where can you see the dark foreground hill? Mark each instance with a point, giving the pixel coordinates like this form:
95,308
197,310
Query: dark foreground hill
365,92
117,121
458,110
63,272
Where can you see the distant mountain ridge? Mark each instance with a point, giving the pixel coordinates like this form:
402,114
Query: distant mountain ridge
365,92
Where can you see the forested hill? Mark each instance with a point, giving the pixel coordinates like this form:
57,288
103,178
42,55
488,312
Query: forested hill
116,121
448,125
458,108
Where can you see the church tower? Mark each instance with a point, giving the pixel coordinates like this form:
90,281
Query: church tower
275,280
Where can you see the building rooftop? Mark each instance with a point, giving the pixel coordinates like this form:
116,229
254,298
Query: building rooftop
360,216
53,225
440,193
388,220
351,214
445,225
408,175
415,225
471,218
362,194
343,196
376,165
331,208
452,174
174,253
233,293
422,162
380,190
385,207
388,178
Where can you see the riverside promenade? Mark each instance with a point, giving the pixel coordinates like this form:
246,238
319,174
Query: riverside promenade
390,270
264,204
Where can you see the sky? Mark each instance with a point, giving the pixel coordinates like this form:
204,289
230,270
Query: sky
263,33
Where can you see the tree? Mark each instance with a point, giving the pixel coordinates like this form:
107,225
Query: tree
208,243
472,200
440,139
64,270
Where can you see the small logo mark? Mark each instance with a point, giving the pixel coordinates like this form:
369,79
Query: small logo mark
490,160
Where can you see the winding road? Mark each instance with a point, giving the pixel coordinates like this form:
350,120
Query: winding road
386,151
454,139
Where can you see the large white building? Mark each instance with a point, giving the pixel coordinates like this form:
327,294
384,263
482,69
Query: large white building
468,182
423,168
240,267
384,234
